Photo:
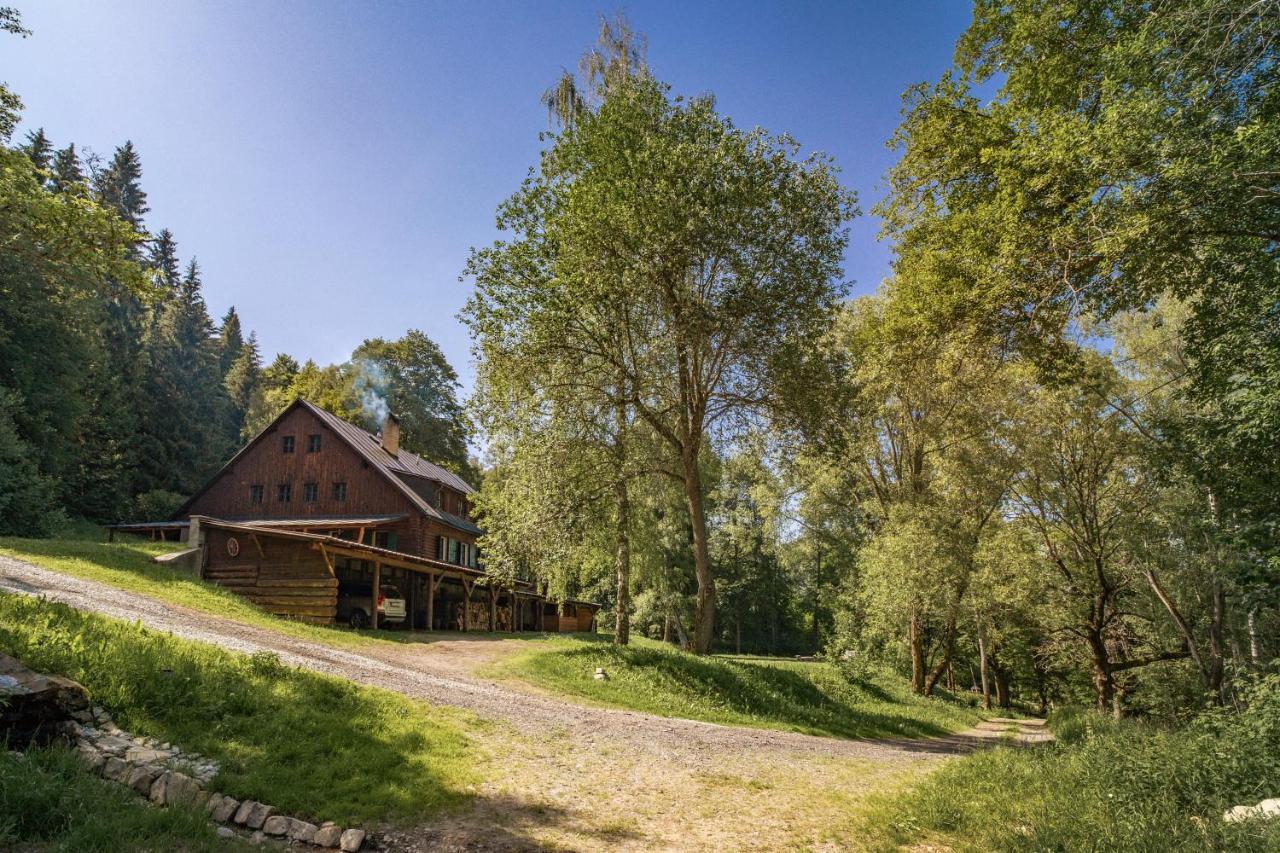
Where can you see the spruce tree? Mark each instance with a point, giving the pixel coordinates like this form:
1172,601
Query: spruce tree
119,186
243,383
163,258
38,149
66,169
184,397
230,340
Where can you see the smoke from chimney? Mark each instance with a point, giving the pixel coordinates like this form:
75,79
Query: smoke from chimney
391,434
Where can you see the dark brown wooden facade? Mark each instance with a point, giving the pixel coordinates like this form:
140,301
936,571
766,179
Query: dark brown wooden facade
314,502
302,467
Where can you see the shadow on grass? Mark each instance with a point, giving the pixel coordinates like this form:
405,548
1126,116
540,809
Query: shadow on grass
309,744
815,700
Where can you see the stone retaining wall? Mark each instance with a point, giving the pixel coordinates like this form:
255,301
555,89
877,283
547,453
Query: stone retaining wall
37,709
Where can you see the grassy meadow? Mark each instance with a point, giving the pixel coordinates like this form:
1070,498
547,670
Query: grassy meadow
309,744
802,696
50,801
1105,785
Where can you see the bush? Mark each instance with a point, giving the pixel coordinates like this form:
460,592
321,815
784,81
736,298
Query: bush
156,505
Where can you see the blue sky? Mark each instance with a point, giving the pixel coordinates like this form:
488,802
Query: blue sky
331,164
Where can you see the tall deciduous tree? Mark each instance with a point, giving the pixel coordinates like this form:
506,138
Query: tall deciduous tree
415,380
694,259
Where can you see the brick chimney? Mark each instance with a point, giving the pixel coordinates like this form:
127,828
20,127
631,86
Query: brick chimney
391,435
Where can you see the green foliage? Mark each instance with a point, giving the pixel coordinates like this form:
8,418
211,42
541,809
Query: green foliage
50,801
28,499
761,692
309,744
156,505
1107,785
412,378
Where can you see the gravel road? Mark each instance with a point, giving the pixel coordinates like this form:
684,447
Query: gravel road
416,676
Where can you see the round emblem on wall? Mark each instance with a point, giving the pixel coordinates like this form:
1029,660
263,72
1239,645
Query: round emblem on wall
233,546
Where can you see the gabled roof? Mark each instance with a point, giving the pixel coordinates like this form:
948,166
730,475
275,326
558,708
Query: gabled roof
403,462
369,448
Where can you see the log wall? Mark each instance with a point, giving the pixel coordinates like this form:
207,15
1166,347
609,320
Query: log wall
286,578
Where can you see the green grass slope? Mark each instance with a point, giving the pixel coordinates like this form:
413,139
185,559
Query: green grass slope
309,744
1105,785
810,697
50,801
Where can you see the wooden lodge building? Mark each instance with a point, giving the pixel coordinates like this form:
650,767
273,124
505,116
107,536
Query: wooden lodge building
314,504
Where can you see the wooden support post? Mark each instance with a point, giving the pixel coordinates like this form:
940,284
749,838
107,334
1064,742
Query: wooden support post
493,608
412,577
466,605
542,614
431,601
377,583
511,612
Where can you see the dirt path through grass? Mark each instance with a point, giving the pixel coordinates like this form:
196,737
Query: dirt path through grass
429,675
571,777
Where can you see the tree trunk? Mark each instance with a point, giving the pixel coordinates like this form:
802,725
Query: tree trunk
1217,651
1104,681
917,653
982,667
705,611
622,625
1002,683
948,649
1255,641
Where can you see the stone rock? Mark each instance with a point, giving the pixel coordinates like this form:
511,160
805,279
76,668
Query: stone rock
140,779
182,790
276,825
144,755
258,815
1263,810
258,837
158,789
114,769
32,705
601,675
243,812
328,835
225,832
92,758
300,830
225,810
351,840
114,744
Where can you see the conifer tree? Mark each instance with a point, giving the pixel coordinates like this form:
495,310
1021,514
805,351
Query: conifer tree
120,186
230,340
163,258
66,169
243,383
38,149
185,401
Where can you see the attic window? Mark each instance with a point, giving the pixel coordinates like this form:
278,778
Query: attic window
313,443
286,444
